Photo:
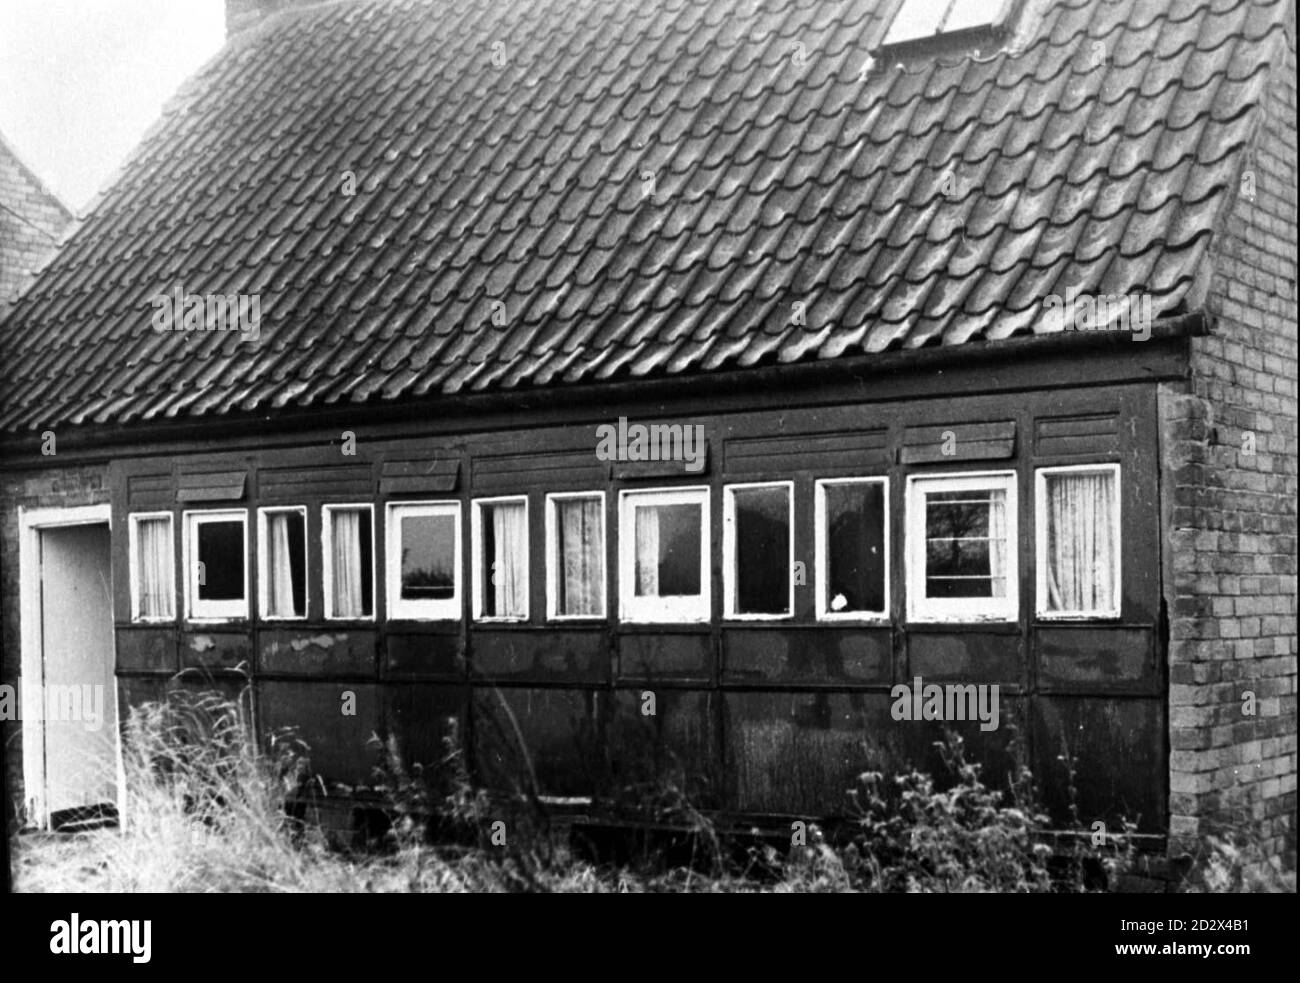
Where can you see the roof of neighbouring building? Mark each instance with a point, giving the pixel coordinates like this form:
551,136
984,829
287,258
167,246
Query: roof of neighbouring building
503,151
32,220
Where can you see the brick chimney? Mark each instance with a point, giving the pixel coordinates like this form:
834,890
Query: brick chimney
243,14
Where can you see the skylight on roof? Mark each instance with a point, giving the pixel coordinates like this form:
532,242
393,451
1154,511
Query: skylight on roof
920,19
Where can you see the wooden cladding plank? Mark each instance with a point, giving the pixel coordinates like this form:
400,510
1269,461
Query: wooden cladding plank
211,486
417,475
144,490
995,441
519,472
333,482
695,468
1067,435
803,452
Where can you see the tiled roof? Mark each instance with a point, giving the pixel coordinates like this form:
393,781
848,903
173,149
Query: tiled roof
935,203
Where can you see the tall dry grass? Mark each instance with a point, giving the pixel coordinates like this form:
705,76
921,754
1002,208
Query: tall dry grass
208,811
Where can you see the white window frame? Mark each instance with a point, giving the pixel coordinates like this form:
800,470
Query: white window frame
821,573
133,544
195,608
479,569
327,560
921,609
421,610
552,541
1040,545
263,581
657,610
729,578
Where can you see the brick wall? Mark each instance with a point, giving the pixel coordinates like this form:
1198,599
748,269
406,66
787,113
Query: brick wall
31,222
47,488
1229,441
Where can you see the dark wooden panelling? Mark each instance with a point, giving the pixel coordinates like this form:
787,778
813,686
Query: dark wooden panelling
336,483
670,655
437,656
965,655
211,486
1097,659
638,470
419,717
149,491
965,441
541,656
147,649
215,650
338,740
676,745
1084,434
798,753
565,469
810,655
1000,750
806,452
419,476
1117,745
561,735
317,652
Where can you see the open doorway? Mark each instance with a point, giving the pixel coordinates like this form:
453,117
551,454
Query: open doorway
71,759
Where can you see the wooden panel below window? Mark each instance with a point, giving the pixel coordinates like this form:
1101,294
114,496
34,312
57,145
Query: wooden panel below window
965,655
147,649
808,655
666,655
425,654
1097,659
316,652
541,655
216,650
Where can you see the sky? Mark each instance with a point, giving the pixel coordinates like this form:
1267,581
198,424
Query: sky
82,80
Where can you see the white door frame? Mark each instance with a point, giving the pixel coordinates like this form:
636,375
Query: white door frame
30,524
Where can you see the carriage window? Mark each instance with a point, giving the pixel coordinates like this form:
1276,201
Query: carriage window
501,559
575,555
216,564
282,553
348,559
663,555
852,548
153,568
424,561
759,550
1078,541
961,548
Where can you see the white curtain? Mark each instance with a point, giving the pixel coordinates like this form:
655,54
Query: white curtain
345,540
154,563
998,544
509,573
279,571
1080,547
581,558
647,551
